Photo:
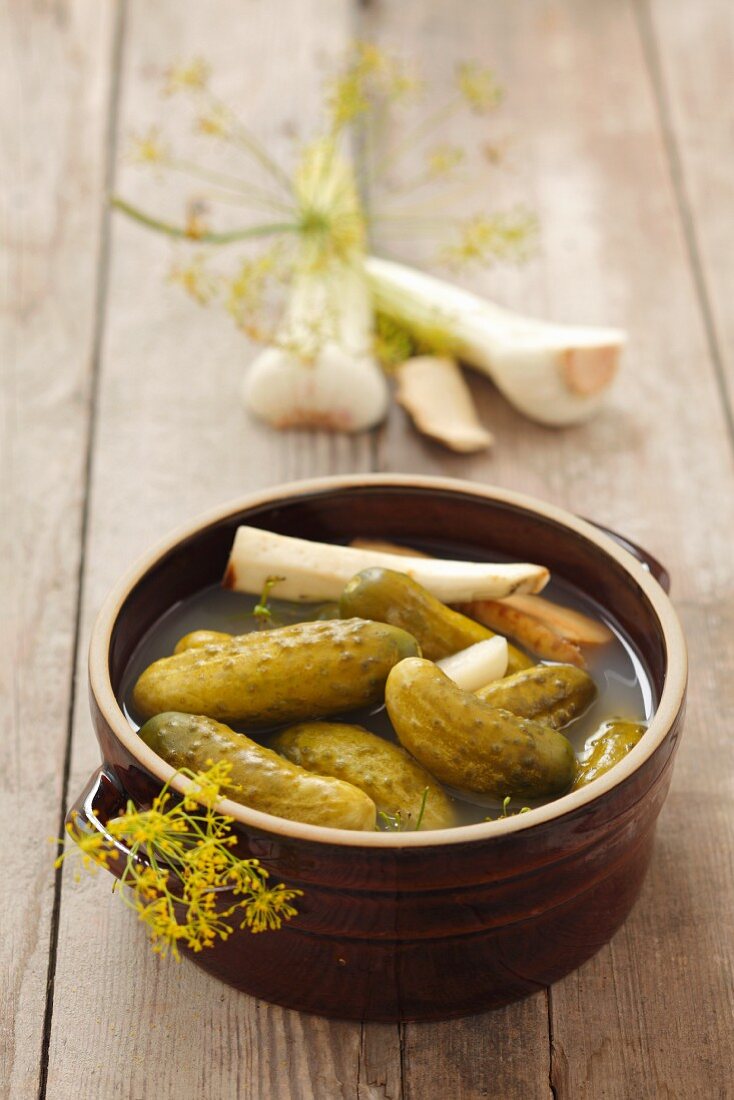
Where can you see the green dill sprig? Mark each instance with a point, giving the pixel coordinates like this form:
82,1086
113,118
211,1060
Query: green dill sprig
399,822
262,611
506,811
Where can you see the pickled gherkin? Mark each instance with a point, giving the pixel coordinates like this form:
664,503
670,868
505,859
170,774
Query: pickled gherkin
471,745
397,784
610,744
197,639
552,694
262,780
388,596
289,674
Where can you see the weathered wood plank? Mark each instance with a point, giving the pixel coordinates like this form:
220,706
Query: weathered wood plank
173,439
505,1053
589,156
690,55
54,91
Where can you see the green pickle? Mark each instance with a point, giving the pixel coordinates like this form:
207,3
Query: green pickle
610,744
388,596
263,780
552,694
395,782
288,674
197,639
470,745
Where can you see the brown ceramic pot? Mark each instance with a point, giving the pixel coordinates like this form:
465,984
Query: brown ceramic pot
425,925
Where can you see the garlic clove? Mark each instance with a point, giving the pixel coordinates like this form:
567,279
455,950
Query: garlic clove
336,391
478,665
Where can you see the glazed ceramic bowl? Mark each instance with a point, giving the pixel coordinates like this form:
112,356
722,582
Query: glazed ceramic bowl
420,925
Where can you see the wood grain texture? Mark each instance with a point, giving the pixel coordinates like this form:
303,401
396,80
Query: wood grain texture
173,439
53,88
618,127
588,154
690,53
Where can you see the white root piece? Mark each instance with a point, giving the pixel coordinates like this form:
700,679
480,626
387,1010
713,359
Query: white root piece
478,665
319,571
570,624
431,388
555,374
387,548
530,632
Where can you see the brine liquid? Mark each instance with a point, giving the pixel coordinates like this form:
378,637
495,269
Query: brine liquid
624,688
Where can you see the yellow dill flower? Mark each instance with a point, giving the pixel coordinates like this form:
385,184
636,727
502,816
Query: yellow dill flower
386,74
151,882
95,848
195,280
181,876
208,787
368,74
247,290
216,122
187,76
268,908
478,87
503,236
148,147
148,827
347,99
163,928
368,58
443,159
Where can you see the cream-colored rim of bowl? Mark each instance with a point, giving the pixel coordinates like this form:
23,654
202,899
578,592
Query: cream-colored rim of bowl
669,705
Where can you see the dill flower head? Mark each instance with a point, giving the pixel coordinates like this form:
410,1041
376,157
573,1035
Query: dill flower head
187,76
308,224
148,147
478,87
181,874
330,212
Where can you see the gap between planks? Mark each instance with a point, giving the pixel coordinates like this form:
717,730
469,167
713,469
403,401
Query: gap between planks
650,52
100,309
651,55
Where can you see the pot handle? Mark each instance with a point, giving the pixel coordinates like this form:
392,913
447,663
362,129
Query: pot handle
653,566
103,798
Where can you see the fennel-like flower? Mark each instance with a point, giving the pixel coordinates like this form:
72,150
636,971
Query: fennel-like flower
320,365
177,869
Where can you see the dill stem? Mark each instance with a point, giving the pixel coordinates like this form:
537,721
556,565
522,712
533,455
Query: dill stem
247,141
171,230
226,181
417,135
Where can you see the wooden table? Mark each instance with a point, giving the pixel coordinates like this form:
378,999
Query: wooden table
121,418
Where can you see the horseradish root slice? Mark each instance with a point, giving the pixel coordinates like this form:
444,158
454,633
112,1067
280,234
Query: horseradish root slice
432,390
315,571
570,624
530,632
385,547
